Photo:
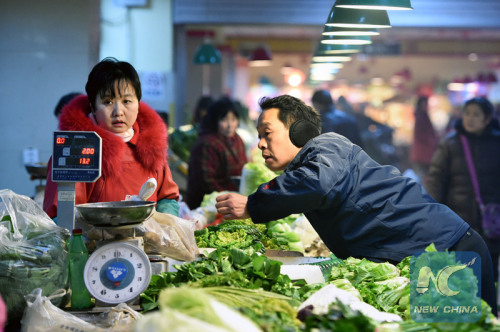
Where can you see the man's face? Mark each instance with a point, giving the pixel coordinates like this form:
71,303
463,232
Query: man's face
274,141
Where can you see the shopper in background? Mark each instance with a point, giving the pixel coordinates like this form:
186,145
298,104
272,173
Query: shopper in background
425,139
134,140
358,207
218,154
201,109
63,101
335,120
449,181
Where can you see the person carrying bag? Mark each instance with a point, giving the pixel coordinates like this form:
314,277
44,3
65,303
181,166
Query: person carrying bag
490,213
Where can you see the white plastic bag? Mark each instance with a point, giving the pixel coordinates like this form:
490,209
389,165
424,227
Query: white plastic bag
42,316
329,294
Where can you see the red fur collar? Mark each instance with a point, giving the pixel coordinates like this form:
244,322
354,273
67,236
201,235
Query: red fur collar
151,146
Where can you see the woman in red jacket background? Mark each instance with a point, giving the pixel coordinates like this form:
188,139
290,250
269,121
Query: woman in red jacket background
218,154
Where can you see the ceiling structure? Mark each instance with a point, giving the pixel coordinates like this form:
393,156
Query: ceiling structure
440,34
426,13
461,20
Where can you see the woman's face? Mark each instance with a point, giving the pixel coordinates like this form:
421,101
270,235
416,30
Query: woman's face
474,120
117,114
228,124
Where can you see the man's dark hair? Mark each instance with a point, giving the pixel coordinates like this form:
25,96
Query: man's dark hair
106,73
291,109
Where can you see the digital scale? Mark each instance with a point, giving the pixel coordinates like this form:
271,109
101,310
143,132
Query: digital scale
118,271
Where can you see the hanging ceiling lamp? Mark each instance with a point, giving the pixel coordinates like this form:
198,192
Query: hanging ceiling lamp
346,40
206,54
260,57
338,49
358,18
375,4
335,31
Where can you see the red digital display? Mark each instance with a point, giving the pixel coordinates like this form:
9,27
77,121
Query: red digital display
88,151
60,140
84,161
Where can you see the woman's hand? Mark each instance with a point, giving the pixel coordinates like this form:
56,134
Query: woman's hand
232,206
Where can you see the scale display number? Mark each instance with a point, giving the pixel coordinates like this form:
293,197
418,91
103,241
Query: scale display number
76,156
117,272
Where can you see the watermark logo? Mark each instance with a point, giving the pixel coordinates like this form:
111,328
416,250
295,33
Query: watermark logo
445,287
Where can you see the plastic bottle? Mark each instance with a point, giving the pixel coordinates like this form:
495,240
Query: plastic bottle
78,256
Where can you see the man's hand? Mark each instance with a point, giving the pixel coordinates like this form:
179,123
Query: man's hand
232,206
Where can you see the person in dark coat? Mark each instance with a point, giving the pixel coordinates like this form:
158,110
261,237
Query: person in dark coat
335,120
449,181
358,207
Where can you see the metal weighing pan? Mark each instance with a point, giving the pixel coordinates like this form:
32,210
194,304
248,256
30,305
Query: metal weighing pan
121,213
37,170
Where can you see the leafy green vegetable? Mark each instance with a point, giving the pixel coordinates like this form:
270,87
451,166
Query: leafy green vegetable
253,175
358,270
181,141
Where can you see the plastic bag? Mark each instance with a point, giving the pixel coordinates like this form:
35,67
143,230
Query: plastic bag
33,252
170,236
329,294
42,316
163,233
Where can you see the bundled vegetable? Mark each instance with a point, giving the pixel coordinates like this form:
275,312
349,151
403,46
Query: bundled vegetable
284,235
33,252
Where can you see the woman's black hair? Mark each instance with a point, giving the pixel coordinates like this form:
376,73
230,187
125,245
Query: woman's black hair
291,109
217,111
484,104
202,106
106,74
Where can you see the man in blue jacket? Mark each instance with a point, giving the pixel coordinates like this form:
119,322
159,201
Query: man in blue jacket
358,207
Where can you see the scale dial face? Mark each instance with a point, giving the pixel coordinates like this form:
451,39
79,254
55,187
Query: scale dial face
117,272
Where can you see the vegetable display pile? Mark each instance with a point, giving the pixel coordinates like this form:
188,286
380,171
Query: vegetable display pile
252,285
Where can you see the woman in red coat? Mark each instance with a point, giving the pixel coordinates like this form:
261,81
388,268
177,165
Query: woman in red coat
134,140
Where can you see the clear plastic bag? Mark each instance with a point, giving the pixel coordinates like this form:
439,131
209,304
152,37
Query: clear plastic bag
33,252
170,236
